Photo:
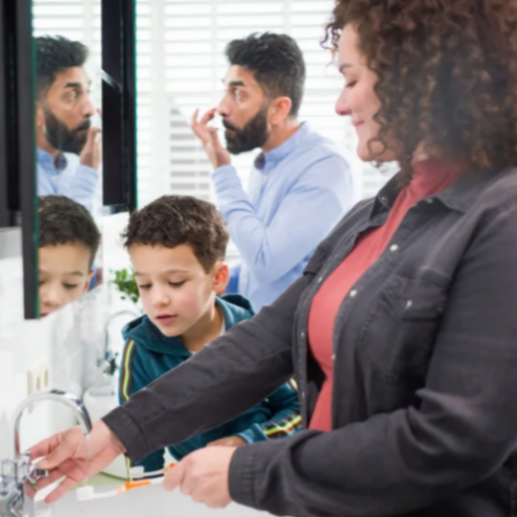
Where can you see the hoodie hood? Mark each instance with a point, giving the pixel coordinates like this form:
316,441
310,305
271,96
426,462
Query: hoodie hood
234,307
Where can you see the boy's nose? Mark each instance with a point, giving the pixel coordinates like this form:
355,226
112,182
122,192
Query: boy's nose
160,299
51,298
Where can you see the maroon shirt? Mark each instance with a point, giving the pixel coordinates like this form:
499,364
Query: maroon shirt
430,177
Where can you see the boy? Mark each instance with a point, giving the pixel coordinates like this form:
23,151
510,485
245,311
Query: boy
177,247
68,243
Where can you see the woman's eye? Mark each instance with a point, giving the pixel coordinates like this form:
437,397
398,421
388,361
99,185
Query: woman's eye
350,84
70,287
144,287
176,284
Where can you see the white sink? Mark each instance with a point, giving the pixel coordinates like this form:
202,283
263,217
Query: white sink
152,501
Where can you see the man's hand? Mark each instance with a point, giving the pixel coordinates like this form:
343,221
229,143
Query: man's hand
92,151
203,475
74,457
229,441
217,154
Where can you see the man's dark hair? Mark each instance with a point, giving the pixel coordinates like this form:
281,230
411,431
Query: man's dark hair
171,221
63,221
277,63
56,54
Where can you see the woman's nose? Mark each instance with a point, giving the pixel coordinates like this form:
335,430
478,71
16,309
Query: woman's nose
342,104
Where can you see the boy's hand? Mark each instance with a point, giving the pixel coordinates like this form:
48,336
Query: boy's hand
230,441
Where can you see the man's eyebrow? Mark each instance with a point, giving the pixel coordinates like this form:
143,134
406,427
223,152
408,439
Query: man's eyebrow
234,84
73,85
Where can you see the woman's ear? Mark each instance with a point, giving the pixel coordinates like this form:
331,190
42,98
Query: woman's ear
221,277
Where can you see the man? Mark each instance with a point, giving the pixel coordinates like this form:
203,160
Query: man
68,153
300,185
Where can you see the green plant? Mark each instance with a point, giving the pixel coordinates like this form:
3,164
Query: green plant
126,284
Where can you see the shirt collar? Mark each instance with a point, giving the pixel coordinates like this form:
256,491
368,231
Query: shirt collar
45,158
459,196
276,155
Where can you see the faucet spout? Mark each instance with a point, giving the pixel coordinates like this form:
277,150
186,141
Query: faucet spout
14,473
68,399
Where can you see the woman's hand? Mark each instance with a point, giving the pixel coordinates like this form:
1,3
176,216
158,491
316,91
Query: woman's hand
203,475
73,456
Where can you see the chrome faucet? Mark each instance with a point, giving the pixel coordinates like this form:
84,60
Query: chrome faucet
19,470
109,359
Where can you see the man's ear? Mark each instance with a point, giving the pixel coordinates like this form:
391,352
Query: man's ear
279,110
39,115
221,277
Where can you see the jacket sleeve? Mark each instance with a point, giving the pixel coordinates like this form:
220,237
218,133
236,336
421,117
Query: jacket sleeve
271,250
286,419
133,378
236,372
463,428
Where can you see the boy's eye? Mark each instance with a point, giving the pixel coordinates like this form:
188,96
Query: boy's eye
70,287
176,284
144,287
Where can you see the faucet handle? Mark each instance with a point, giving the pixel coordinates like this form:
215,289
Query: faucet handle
22,469
9,470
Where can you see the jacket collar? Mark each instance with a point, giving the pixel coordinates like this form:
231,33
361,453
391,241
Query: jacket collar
459,196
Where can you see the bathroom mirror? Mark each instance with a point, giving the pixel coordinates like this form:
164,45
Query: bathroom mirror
84,130
181,66
67,125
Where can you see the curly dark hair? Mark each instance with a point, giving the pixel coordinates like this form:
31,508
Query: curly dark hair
55,54
63,221
174,220
277,63
447,74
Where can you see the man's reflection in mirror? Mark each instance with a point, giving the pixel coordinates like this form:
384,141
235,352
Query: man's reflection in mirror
69,152
68,242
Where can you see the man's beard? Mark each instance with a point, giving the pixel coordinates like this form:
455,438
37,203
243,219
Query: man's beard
254,134
62,138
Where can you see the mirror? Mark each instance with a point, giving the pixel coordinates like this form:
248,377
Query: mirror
68,123
181,65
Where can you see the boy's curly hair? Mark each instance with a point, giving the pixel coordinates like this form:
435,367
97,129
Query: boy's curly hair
64,221
174,220
447,74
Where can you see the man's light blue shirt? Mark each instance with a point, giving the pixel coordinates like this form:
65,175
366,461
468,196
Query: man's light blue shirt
298,192
66,177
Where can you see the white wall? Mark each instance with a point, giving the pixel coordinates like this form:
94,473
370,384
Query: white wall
71,340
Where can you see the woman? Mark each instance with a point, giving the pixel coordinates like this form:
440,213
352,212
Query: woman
402,332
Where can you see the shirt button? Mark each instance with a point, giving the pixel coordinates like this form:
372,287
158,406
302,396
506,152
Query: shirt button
429,200
320,279
394,247
333,357
302,335
409,304
353,293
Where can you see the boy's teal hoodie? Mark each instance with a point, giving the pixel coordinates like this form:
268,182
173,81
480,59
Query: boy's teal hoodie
148,354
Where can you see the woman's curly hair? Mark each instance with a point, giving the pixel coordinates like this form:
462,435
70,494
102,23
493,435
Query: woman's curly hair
447,74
